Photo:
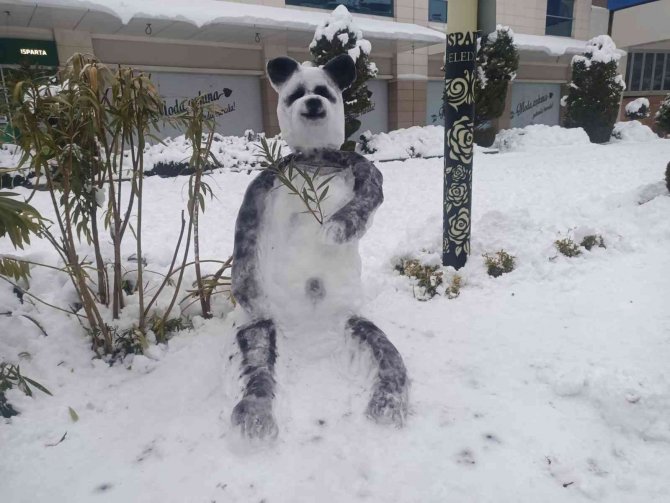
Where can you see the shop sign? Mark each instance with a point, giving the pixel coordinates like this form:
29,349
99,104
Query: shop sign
235,100
535,104
18,51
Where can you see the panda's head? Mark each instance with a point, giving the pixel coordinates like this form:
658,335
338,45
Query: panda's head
310,108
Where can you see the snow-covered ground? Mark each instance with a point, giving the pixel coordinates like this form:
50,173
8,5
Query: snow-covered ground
551,383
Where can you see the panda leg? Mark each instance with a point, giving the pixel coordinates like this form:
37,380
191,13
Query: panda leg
389,397
253,414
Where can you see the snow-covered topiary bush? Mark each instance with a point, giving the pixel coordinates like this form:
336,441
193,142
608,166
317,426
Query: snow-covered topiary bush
497,63
637,109
595,90
662,117
340,35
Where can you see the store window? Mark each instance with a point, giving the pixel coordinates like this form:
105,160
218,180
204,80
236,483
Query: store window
648,71
437,11
374,7
559,17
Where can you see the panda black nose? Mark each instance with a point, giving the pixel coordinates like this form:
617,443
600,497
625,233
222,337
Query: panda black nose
314,106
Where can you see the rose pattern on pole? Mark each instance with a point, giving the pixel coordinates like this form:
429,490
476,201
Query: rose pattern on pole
458,138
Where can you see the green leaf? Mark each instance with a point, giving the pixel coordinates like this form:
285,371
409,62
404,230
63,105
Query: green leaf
326,181
37,385
73,415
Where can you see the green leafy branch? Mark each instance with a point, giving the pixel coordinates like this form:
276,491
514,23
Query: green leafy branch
308,187
17,219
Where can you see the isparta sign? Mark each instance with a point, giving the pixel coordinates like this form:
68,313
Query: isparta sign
535,104
236,99
17,51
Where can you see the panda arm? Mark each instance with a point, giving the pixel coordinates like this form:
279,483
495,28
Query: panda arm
245,284
351,221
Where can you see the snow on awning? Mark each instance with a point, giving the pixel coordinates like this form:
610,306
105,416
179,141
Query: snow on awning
205,13
553,46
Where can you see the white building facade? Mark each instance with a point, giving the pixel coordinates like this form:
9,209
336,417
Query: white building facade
643,31
219,49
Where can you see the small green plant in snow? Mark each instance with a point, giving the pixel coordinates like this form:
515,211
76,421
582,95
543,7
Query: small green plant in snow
499,263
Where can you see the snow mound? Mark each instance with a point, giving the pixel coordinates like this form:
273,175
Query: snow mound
416,141
235,153
634,106
633,131
538,136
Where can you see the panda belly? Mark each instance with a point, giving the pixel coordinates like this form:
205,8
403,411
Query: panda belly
304,278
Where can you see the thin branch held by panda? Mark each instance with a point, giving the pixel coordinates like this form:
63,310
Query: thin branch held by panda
310,188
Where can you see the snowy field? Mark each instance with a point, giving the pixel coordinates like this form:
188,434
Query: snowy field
548,384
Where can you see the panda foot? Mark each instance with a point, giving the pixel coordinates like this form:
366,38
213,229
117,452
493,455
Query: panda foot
388,407
254,418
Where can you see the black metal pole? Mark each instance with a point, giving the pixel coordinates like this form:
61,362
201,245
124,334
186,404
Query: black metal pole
459,109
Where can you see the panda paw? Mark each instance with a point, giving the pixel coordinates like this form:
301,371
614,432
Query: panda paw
253,416
388,407
336,231
333,232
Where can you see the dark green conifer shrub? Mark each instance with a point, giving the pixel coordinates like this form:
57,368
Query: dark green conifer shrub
662,116
595,90
497,64
339,35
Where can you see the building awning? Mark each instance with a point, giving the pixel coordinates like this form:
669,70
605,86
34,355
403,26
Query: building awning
548,44
203,20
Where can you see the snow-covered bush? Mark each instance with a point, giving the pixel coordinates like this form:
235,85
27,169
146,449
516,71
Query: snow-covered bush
235,153
364,143
427,278
416,141
538,136
591,240
632,131
497,64
566,246
499,263
337,35
595,90
662,116
637,109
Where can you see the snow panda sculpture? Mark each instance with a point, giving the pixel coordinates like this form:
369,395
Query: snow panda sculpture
287,268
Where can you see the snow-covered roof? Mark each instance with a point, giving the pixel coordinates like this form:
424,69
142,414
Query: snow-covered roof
202,13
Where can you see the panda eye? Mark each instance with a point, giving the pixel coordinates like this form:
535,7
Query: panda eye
324,92
295,95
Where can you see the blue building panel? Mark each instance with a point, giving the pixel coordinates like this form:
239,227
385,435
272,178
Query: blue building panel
624,4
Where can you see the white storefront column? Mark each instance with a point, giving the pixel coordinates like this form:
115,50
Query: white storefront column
69,42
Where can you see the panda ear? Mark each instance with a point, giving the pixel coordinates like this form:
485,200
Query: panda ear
280,70
342,70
